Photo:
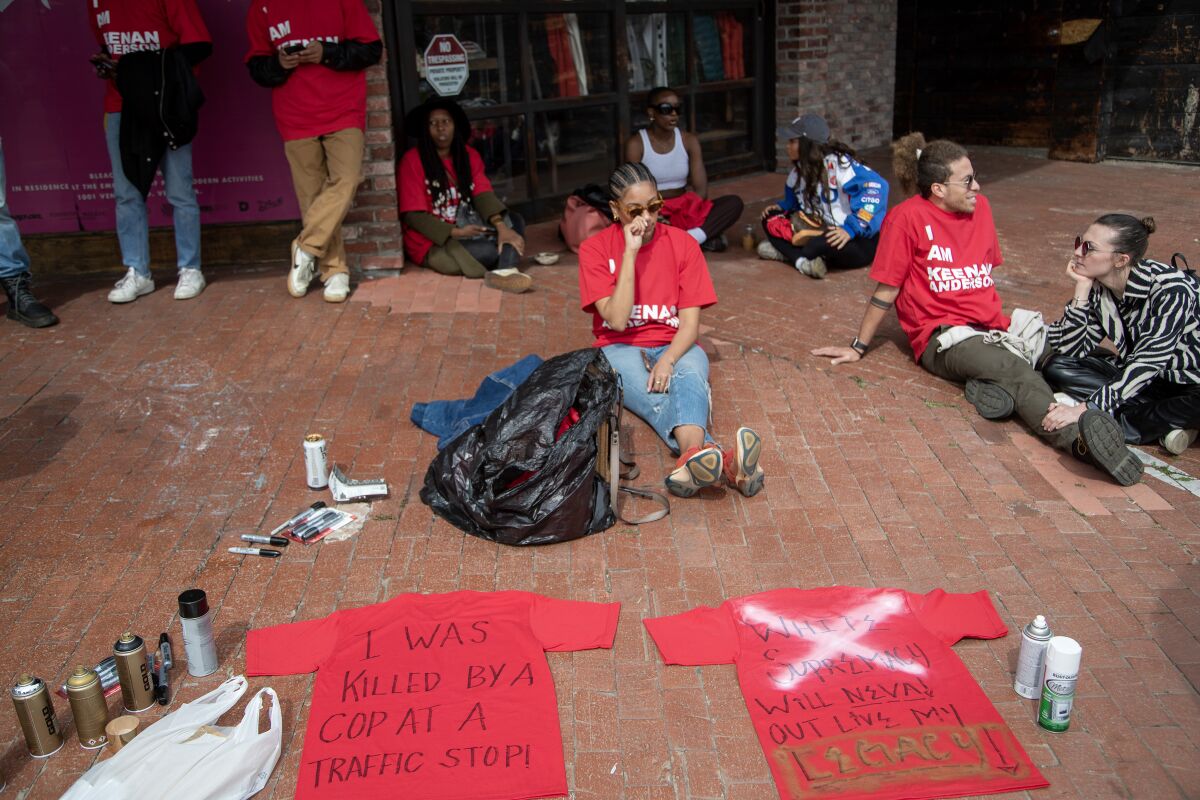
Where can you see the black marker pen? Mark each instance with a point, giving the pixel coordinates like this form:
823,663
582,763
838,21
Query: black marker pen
278,541
255,551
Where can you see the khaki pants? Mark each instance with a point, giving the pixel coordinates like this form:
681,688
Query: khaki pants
326,171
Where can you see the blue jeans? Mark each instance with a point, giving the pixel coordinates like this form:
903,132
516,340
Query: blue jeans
686,402
449,418
13,258
133,229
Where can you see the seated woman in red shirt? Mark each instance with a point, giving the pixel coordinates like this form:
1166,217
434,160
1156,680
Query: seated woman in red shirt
453,221
673,158
645,284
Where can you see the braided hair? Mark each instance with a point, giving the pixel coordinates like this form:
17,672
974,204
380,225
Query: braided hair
437,182
627,175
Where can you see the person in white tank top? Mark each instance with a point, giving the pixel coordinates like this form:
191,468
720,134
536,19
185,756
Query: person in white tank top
673,156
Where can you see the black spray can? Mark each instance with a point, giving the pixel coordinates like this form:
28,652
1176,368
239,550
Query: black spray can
137,690
198,642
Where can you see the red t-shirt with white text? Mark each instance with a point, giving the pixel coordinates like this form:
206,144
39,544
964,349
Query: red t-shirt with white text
439,696
855,693
315,100
415,196
670,273
130,26
943,264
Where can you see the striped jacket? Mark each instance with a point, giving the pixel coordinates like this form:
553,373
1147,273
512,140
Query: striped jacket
1155,327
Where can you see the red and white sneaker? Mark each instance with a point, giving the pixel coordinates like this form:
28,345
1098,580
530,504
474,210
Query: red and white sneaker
741,464
695,469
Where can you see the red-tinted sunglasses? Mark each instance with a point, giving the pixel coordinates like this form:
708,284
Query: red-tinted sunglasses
1087,247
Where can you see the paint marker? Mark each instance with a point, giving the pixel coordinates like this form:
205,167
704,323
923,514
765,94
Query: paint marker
296,519
278,541
163,690
329,528
255,551
314,524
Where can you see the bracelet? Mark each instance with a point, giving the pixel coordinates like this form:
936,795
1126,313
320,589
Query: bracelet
858,347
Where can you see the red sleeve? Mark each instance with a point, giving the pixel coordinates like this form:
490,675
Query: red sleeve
186,21
291,649
257,30
563,625
701,636
695,284
358,22
952,617
479,180
413,196
895,252
597,276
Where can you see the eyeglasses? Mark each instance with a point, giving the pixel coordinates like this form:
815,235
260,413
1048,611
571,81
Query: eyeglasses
636,210
965,182
1086,247
667,108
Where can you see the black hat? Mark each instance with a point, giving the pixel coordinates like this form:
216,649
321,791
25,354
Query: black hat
809,126
418,118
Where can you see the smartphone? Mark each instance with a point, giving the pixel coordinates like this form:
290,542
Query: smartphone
292,49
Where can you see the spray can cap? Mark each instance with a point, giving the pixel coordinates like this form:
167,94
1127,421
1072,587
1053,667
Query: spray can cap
128,643
1039,627
82,677
27,686
193,603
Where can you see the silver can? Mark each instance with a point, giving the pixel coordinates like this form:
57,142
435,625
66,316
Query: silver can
316,461
1031,661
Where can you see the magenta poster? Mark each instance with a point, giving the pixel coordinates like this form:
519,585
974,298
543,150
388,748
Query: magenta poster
52,112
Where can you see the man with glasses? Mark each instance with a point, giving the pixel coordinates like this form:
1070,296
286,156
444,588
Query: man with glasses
935,259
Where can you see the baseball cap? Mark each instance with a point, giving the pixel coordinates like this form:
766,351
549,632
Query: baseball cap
807,126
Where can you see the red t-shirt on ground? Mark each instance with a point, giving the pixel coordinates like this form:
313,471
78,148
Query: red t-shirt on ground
855,693
440,696
414,196
670,273
943,264
315,100
130,26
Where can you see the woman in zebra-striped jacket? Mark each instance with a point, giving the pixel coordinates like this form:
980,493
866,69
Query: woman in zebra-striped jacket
1151,313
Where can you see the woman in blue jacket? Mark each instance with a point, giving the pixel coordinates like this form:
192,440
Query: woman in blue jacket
846,198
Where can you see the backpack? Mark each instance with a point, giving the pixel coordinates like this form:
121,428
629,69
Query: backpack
535,470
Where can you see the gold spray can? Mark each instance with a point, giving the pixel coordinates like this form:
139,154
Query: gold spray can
137,690
88,707
35,712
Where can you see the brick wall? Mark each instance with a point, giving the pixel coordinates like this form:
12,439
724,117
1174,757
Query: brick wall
838,59
372,228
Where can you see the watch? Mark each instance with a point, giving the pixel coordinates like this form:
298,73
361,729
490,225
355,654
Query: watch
858,347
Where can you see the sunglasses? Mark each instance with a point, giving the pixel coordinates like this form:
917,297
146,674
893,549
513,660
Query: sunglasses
965,182
667,108
1086,247
635,210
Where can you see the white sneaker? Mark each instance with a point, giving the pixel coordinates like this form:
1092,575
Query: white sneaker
767,251
130,287
191,283
812,267
304,268
1064,399
337,288
1179,440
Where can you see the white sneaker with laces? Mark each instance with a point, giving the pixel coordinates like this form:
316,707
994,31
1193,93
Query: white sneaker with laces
304,268
130,287
337,288
767,251
191,283
1179,440
812,267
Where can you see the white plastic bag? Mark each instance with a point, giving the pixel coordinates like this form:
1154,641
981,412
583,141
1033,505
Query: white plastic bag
184,757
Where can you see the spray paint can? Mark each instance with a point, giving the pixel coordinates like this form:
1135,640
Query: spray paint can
35,712
316,461
88,707
1058,689
1031,663
198,641
137,690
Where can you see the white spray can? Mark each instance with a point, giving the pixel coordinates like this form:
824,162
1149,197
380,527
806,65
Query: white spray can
316,461
1058,688
1031,663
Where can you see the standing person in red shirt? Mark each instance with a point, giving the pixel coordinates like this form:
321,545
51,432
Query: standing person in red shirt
149,49
645,284
936,254
312,55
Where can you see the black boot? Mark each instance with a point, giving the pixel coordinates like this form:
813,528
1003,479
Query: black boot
23,306
1099,440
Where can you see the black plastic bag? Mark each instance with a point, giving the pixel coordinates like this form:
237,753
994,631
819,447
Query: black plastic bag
507,479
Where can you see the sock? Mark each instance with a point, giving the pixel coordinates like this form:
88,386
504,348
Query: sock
698,234
506,271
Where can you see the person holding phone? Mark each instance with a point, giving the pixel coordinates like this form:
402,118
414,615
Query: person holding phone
645,285
453,221
674,159
313,57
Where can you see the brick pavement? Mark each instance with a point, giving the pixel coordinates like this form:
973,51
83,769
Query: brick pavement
137,442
